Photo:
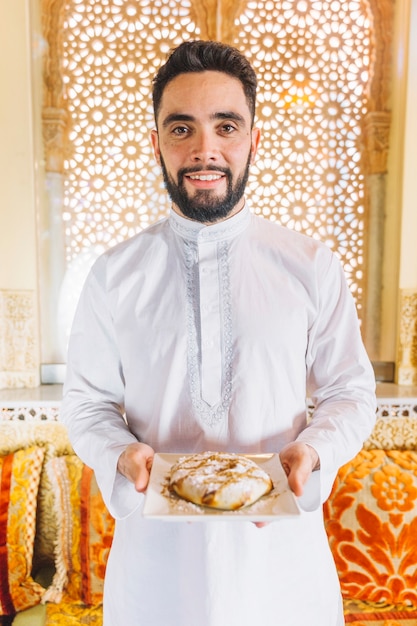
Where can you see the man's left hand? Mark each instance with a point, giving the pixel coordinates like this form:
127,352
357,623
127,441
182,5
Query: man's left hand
298,460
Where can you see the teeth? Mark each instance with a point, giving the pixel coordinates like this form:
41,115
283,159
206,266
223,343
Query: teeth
205,176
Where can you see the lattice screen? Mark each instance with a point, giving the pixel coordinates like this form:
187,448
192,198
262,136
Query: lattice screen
313,63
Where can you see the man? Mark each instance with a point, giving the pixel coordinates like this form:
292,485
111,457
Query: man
207,331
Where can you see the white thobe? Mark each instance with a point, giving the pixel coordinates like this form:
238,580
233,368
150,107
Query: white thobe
191,337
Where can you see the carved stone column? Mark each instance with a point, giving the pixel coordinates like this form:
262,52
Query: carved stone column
376,143
55,138
407,352
376,127
51,227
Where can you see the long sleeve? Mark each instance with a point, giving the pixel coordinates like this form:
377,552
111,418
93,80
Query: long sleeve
340,378
93,404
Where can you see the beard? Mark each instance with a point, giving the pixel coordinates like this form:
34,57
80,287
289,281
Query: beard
204,205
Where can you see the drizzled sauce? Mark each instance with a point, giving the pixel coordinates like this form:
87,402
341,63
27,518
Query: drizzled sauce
219,479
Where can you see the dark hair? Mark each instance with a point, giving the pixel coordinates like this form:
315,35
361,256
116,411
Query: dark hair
202,56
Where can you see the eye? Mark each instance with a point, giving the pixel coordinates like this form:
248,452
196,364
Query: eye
179,130
228,128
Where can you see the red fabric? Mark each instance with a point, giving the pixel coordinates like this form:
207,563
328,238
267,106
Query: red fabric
6,476
87,474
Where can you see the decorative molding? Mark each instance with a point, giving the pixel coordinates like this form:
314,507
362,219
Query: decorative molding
376,125
55,137
398,408
54,113
376,130
407,353
204,14
216,18
382,17
29,413
19,359
398,412
52,26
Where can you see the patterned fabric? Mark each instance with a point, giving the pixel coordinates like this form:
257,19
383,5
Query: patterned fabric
382,622
359,612
85,533
393,433
73,614
372,528
19,482
53,438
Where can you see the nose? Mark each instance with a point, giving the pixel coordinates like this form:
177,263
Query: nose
205,147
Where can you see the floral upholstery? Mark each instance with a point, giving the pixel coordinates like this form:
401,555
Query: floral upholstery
369,519
53,439
19,481
73,614
372,527
85,533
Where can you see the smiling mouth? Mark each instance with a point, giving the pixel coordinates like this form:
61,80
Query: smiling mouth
205,177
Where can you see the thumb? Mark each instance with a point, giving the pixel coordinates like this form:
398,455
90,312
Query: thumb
142,478
298,460
298,475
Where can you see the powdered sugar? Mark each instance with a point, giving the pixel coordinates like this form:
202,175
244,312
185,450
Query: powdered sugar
219,479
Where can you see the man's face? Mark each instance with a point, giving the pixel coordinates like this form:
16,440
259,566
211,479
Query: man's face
205,144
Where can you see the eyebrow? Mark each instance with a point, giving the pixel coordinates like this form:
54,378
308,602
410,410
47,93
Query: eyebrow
220,115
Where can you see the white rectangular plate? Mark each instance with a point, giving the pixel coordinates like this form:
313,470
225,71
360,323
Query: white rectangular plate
160,503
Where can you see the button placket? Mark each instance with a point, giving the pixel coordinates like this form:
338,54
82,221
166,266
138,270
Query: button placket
210,325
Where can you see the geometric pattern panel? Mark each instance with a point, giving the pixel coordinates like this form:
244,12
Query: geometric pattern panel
313,61
111,53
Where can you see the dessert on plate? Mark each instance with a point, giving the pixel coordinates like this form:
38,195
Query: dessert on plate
220,480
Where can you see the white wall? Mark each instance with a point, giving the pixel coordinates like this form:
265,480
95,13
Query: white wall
408,255
17,197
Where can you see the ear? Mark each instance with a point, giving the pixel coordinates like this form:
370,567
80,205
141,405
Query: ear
256,136
155,146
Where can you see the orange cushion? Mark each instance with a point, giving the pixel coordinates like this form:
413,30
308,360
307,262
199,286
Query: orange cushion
85,533
19,481
361,612
73,614
383,622
378,620
371,523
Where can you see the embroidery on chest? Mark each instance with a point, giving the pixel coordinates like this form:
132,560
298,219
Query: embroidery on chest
209,332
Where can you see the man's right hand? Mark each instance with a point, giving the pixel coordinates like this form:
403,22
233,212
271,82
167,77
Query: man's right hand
135,464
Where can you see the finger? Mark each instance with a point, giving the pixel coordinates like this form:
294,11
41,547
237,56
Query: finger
295,484
260,524
298,477
285,467
142,479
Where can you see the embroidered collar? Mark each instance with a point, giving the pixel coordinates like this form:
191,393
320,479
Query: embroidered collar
195,231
